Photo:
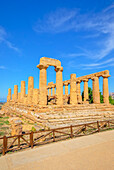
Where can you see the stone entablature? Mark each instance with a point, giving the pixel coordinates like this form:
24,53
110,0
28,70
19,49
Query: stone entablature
50,62
40,96
90,76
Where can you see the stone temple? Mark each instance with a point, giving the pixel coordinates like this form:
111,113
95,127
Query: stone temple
48,104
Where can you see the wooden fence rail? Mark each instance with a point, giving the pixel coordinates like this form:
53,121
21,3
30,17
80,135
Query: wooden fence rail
45,136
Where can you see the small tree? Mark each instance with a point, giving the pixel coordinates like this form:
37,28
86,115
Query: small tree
111,101
90,93
101,98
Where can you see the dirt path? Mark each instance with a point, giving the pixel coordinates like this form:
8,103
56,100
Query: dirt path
93,152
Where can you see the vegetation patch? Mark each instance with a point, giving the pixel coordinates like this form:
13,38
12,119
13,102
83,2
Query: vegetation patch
33,129
4,126
90,93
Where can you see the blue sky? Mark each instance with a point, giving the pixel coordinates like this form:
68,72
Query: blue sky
78,33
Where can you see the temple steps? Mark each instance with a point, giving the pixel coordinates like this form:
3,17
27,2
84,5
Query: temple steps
53,116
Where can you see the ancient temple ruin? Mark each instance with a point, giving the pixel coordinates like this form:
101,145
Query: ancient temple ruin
46,92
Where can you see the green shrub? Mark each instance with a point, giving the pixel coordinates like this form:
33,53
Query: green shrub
6,122
1,133
111,101
33,129
6,117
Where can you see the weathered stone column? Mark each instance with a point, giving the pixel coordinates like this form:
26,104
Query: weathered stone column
93,88
35,98
19,97
23,91
15,93
12,97
85,90
73,93
105,89
25,101
30,89
66,88
79,97
9,95
53,90
59,85
96,93
49,91
43,84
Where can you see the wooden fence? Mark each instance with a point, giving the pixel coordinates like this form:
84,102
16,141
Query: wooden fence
13,143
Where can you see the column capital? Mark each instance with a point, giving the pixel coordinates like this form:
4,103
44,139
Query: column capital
53,86
42,66
85,80
105,76
65,83
78,81
58,68
93,78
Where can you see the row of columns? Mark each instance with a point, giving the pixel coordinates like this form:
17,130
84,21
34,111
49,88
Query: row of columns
36,96
96,93
76,91
51,90
30,98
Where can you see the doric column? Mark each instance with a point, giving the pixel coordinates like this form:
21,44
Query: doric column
19,97
73,94
9,95
12,97
15,92
85,90
66,88
35,98
96,93
25,101
53,90
79,97
30,89
23,91
49,91
59,85
93,88
105,89
43,84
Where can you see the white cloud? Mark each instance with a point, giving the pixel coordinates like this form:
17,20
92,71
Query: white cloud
55,22
108,8
98,67
100,63
3,39
2,67
99,26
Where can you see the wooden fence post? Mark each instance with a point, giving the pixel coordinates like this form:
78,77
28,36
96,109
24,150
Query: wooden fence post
53,136
18,141
109,124
85,127
98,126
4,145
31,139
71,130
